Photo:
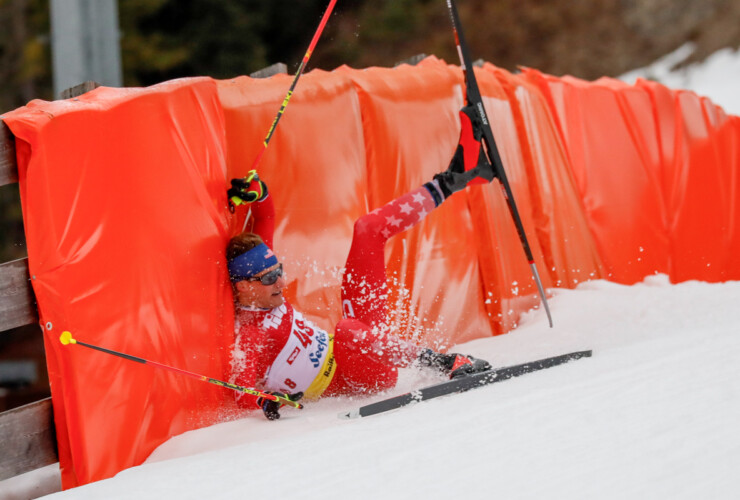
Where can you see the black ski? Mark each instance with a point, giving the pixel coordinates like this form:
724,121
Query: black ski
461,385
474,99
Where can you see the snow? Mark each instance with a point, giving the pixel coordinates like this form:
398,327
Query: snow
716,77
33,484
653,414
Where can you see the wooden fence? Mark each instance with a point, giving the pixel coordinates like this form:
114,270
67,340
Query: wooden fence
26,433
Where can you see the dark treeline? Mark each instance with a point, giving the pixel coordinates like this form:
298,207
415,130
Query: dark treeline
165,39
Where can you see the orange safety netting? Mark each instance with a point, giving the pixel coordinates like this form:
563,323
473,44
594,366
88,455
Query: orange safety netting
124,198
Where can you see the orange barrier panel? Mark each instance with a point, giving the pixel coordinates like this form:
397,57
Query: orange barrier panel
656,169
508,282
730,145
610,135
562,230
698,194
410,125
123,202
695,182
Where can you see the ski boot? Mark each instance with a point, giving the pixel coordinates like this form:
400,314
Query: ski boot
453,365
469,164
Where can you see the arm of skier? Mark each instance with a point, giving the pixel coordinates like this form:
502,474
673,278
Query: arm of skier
244,362
250,343
263,212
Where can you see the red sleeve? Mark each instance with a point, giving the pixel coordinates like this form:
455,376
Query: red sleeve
246,360
264,219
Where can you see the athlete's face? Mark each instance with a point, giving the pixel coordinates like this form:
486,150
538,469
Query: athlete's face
256,294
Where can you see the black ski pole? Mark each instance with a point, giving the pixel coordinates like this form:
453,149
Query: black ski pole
474,98
298,73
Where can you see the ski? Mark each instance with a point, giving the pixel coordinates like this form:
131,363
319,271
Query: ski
461,384
474,99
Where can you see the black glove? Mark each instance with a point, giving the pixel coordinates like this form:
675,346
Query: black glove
270,408
247,189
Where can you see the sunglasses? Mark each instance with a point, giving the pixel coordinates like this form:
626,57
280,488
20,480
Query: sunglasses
270,278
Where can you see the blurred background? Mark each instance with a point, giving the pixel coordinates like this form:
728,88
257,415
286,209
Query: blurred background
165,39
150,41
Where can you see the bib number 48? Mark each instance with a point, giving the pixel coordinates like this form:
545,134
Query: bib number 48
303,332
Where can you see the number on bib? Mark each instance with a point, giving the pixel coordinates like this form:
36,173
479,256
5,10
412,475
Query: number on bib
303,332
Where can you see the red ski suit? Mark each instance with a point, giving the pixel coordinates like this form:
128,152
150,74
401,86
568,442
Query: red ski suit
365,356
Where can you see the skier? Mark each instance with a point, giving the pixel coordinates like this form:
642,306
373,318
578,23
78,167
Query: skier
279,350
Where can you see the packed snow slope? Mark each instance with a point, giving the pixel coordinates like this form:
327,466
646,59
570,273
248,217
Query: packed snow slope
653,414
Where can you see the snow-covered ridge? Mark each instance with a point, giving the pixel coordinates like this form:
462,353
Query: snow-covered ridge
717,77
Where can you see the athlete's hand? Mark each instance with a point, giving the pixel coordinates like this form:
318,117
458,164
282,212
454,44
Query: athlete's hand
247,189
271,408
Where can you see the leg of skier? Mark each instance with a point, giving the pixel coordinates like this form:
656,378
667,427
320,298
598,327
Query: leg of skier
364,287
367,356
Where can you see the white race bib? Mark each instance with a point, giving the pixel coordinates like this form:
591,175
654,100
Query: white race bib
302,359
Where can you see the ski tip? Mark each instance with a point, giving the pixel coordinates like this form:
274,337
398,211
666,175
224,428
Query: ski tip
66,338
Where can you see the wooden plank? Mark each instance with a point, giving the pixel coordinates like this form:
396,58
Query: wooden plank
17,301
28,439
78,90
8,165
412,61
270,70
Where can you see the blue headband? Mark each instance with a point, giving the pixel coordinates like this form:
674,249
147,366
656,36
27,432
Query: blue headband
251,262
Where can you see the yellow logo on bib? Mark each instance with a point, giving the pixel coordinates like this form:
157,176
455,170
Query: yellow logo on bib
323,379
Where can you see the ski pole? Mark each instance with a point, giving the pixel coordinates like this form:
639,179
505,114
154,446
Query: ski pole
306,57
473,97
66,339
